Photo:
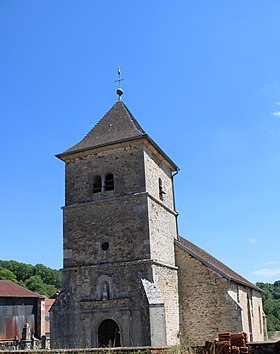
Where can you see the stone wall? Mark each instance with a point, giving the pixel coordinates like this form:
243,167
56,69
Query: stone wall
122,222
264,348
162,226
157,168
163,231
85,305
167,280
205,306
250,301
137,222
259,330
125,161
133,350
209,303
254,348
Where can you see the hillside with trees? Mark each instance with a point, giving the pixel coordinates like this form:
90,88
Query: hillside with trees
39,278
271,303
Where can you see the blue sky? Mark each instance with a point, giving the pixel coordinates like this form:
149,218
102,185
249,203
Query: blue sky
201,77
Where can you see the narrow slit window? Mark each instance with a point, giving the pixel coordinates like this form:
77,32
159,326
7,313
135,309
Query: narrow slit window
260,319
161,191
97,184
238,294
109,182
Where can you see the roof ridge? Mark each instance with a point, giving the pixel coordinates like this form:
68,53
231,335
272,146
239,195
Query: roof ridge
134,122
115,125
214,262
98,122
96,125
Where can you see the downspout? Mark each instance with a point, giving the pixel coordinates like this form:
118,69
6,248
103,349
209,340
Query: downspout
173,191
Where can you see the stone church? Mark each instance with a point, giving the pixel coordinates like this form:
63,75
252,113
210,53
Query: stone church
128,278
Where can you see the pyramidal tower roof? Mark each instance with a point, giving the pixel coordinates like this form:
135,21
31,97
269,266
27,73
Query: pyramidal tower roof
118,124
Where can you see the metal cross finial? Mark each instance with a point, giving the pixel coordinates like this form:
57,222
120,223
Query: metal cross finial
119,90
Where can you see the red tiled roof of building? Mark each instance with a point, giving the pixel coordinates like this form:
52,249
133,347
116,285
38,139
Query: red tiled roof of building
11,289
213,263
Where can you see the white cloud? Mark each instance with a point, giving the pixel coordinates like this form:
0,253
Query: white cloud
265,272
269,263
252,240
277,114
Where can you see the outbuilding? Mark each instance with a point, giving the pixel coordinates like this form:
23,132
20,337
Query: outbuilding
20,308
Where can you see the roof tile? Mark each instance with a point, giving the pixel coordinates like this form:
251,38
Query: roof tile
117,124
214,263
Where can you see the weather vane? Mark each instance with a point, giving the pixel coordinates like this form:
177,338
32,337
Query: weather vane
119,90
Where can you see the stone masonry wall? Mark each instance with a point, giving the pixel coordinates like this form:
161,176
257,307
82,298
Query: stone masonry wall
259,330
155,168
163,231
167,280
85,306
122,222
137,221
162,217
124,161
162,225
250,301
205,306
254,348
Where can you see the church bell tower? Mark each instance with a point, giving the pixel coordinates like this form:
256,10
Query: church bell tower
119,278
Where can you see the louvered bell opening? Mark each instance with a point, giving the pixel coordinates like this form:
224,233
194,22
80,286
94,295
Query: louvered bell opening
97,184
109,182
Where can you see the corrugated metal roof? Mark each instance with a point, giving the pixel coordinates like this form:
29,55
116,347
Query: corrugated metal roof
11,289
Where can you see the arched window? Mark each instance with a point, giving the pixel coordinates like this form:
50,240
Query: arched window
97,184
109,182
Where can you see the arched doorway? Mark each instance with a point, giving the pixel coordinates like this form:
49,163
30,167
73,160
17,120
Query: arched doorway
109,334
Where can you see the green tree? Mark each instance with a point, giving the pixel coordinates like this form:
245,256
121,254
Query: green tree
6,274
36,284
271,302
48,275
48,284
276,290
51,290
22,271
